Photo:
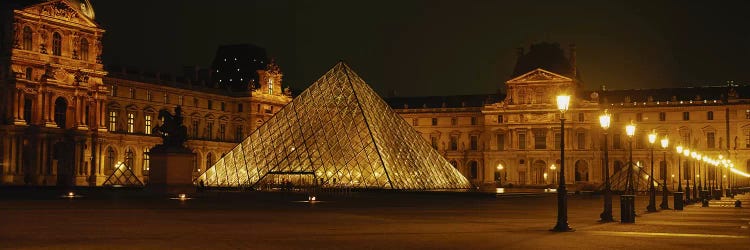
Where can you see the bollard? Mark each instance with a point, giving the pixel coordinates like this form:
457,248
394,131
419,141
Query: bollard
738,203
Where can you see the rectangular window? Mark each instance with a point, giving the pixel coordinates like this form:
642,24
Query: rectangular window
616,141
415,122
639,117
540,139
148,95
195,128
114,90
581,117
222,131
269,110
223,106
195,102
521,140
239,107
747,139
473,120
662,116
454,142
180,99
209,130
112,121
747,114
639,140
166,97
500,119
454,121
238,134
500,142
131,93
557,141
710,140
434,121
148,124
210,104
474,142
581,139
434,142
685,116
131,122
710,115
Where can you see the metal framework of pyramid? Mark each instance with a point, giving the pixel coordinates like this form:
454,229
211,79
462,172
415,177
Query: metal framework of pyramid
123,176
342,134
618,180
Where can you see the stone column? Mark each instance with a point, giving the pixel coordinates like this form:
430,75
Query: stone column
49,107
102,116
18,109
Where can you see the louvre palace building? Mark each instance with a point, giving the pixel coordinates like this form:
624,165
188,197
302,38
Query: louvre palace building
68,119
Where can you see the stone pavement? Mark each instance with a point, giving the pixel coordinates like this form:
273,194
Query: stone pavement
381,220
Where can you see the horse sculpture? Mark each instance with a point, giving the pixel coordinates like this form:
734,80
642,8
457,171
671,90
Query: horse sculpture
172,132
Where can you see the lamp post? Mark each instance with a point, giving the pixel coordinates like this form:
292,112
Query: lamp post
721,175
563,101
606,215
500,174
695,184
678,195
686,153
627,200
664,192
554,174
652,191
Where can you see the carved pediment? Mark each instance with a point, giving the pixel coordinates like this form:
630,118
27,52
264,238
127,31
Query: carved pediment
63,9
539,75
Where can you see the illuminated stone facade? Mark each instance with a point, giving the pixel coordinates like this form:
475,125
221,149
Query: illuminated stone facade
66,121
521,130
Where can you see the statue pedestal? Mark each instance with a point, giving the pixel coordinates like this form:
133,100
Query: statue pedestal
171,171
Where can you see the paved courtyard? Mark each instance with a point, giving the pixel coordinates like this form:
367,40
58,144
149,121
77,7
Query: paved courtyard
376,220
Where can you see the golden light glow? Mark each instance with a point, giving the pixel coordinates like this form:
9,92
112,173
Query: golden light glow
500,166
686,152
721,157
552,167
652,137
563,101
679,149
630,130
664,142
605,119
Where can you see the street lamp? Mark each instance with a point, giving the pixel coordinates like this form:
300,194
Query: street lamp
627,200
500,173
664,192
686,153
606,215
678,201
652,191
721,174
554,174
563,101
696,184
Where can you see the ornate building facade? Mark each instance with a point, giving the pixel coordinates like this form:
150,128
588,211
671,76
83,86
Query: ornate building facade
67,121
515,138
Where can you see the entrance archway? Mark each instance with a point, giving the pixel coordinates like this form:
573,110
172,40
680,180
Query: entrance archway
61,109
582,170
63,160
537,172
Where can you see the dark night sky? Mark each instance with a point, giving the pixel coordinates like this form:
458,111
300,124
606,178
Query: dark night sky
440,47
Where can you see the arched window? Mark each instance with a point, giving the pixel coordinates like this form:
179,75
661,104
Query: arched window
473,170
27,41
84,49
109,162
56,44
129,158
209,160
61,106
146,159
538,169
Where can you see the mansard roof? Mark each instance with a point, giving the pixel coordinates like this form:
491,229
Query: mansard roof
547,56
701,93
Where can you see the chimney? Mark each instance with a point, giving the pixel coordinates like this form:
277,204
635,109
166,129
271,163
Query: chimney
573,60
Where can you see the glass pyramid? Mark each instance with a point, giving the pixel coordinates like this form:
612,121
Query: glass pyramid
122,176
336,133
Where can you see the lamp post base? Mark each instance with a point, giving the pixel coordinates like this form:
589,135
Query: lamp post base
627,208
678,202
